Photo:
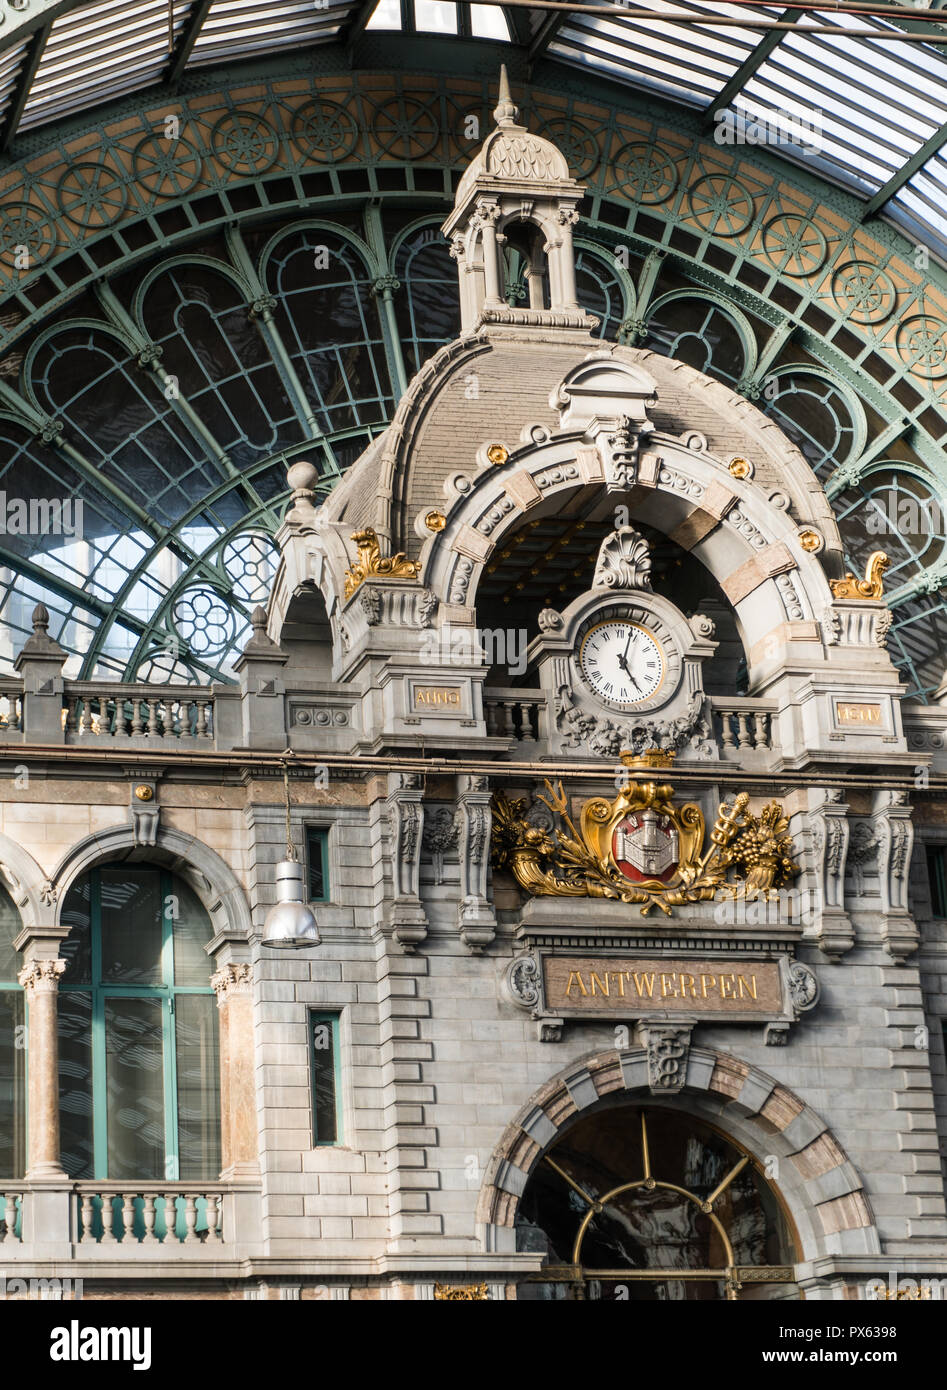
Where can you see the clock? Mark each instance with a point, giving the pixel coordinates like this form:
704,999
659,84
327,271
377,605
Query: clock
622,662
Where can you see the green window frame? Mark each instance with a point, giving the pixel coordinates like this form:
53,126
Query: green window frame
169,994
317,863
937,877
325,1068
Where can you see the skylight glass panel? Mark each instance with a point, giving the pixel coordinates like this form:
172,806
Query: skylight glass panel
687,62
387,15
11,65
435,16
242,28
100,52
873,103
921,205
489,22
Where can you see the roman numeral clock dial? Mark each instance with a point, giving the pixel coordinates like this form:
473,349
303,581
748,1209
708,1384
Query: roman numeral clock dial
622,662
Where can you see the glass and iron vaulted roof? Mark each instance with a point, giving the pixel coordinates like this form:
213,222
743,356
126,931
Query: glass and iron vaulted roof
859,98
187,309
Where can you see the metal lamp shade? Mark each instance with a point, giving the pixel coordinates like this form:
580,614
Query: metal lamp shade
290,924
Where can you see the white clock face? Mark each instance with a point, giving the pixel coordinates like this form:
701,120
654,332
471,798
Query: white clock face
622,662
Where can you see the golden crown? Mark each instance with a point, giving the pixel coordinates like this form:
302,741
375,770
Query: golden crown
650,758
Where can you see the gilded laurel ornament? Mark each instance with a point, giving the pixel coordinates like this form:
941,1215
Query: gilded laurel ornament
371,562
642,848
871,587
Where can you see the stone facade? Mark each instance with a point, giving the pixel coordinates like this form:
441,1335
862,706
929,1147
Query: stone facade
372,688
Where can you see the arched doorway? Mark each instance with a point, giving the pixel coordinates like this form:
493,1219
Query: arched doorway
647,1203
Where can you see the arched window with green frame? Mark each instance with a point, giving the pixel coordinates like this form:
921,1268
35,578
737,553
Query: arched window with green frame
138,1048
12,1049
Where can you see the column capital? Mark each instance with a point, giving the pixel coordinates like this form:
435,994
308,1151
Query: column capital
41,976
233,978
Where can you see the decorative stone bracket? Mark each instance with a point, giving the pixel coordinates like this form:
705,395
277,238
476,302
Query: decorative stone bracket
405,816
828,828
891,818
477,919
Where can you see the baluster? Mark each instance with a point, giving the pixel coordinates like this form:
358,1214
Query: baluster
726,729
175,712
491,712
137,726
86,1217
85,726
213,1217
153,727
744,734
128,1216
9,1216
13,717
506,708
71,715
108,1216
170,1217
760,736
526,723
149,1214
202,728
190,1220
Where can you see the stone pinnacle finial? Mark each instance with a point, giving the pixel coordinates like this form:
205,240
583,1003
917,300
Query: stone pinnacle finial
41,620
505,112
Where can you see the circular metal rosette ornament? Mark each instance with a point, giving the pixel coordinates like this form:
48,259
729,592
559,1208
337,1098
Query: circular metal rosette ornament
577,142
794,245
325,131
644,174
863,292
245,143
25,234
721,205
405,128
922,345
167,168
205,621
92,195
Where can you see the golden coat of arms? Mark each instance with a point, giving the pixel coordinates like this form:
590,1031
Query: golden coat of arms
642,848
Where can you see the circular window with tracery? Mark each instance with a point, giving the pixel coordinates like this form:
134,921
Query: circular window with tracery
641,1204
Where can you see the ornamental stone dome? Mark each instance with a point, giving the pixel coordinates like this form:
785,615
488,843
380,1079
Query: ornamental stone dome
511,154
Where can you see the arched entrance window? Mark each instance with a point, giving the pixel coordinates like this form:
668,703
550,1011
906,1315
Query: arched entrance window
12,1050
648,1204
138,1053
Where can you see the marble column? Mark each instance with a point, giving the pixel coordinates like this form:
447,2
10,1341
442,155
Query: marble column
40,981
239,1149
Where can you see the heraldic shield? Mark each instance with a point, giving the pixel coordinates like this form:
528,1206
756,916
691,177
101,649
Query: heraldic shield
645,836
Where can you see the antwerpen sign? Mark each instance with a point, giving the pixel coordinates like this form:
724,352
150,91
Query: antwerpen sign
559,986
640,986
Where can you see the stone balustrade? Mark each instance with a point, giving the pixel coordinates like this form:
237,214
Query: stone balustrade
742,726
11,707
137,712
516,714
169,1214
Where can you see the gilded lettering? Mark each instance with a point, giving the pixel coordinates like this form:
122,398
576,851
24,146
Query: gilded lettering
602,983
619,975
575,975
728,982
665,992
747,986
648,983
707,982
687,988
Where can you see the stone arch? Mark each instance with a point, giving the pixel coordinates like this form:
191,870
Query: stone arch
819,1185
31,891
201,868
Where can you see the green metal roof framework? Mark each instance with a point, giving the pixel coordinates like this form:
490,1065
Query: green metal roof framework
344,41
